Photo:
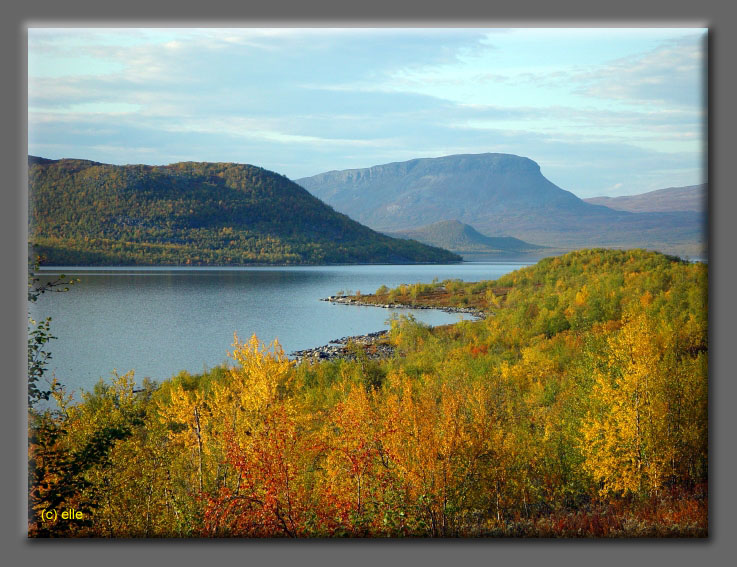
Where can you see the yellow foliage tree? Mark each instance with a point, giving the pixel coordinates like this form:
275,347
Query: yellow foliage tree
625,444
262,375
187,412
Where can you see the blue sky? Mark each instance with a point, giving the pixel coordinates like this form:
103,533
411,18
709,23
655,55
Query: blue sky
603,111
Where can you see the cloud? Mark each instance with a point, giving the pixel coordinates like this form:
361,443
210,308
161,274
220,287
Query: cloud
667,131
672,74
305,101
265,131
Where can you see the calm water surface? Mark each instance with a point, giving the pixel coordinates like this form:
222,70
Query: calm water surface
159,321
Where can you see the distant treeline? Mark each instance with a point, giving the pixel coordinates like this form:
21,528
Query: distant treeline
87,213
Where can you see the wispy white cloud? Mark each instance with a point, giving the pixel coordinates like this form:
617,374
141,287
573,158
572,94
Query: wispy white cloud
673,74
265,130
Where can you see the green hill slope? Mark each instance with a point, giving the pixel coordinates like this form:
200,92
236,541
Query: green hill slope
88,213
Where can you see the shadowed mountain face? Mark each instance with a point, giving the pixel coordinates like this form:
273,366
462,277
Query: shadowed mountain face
88,213
499,195
690,198
462,238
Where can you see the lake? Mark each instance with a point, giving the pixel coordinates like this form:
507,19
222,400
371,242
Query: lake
159,321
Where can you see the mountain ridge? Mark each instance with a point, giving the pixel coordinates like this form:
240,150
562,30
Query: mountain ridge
499,195
671,199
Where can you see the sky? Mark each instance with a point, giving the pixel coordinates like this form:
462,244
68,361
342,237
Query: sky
602,111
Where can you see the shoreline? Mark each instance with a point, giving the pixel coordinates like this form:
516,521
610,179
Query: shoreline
373,344
347,300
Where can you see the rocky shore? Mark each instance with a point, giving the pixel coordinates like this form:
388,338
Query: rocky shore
373,344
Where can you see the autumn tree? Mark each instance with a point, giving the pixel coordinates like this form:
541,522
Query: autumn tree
261,433
627,444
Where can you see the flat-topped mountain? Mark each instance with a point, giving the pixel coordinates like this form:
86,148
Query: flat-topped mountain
690,198
413,193
499,195
462,238
88,213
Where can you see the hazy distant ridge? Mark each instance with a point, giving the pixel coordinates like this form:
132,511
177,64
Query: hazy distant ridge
499,195
458,237
673,199
414,193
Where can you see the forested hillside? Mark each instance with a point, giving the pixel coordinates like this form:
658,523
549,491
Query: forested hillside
577,408
88,213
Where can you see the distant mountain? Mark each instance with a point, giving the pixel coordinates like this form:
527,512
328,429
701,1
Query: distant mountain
499,195
690,198
462,238
88,213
